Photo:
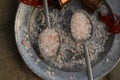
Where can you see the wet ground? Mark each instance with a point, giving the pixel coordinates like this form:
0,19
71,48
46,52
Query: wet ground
12,67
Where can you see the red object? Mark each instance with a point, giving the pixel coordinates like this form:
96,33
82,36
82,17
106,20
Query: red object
36,3
112,22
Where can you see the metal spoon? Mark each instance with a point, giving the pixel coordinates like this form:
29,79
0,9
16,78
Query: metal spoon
49,37
84,42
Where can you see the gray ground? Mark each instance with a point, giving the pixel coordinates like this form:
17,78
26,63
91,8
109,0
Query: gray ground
12,66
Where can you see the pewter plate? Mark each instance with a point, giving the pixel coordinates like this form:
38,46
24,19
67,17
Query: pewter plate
28,50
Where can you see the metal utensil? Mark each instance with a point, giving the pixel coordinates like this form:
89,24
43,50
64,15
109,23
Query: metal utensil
90,74
84,42
53,33
46,13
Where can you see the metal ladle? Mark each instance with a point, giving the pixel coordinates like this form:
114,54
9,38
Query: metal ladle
84,42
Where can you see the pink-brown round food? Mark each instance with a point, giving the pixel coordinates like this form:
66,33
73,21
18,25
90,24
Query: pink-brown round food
80,26
49,42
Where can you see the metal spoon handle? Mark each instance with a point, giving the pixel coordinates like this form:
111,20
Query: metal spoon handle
46,12
88,64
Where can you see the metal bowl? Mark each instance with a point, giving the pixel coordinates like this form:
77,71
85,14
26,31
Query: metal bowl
107,61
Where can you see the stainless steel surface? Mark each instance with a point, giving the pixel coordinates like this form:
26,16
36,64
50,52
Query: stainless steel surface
41,69
85,47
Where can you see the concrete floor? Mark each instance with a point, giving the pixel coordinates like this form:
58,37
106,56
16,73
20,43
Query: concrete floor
12,66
